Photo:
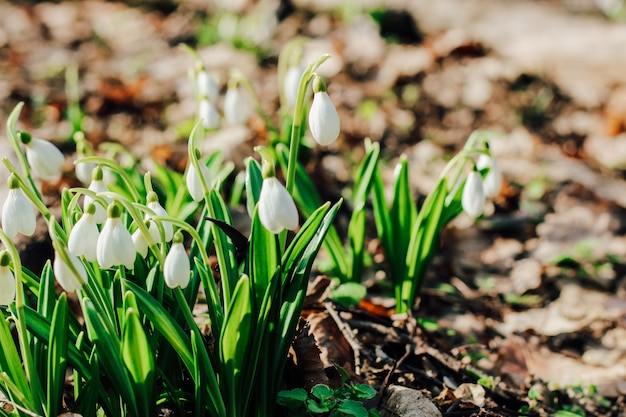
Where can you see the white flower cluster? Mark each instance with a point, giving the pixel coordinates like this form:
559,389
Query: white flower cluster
236,106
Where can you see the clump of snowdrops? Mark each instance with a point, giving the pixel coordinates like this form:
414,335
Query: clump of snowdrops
132,248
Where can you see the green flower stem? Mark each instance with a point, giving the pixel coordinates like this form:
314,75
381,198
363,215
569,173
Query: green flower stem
22,330
290,55
147,180
21,155
115,167
296,130
219,250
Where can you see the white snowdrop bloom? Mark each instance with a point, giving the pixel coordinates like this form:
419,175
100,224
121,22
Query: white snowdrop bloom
209,115
139,240
7,280
44,159
97,185
236,107
18,215
177,268
473,197
84,235
277,211
115,245
194,182
207,88
291,84
493,181
168,229
323,116
64,274
84,171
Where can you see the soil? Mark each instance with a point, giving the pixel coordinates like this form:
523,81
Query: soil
531,300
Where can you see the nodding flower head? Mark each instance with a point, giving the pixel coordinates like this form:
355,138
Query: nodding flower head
194,180
473,197
45,159
207,88
115,244
208,113
7,280
18,215
493,181
97,185
84,235
236,106
168,229
177,268
71,278
323,116
291,84
276,208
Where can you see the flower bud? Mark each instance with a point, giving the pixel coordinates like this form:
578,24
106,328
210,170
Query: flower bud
18,215
236,106
177,268
323,116
209,115
276,208
7,280
194,182
84,236
115,244
44,159
493,181
66,277
291,84
206,86
473,197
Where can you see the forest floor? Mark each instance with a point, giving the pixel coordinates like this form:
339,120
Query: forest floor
531,300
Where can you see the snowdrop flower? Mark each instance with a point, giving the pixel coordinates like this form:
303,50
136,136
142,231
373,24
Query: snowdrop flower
7,280
44,159
84,235
18,215
176,268
168,229
139,240
208,113
236,106
64,274
97,186
194,181
84,171
277,211
323,116
115,244
493,181
291,84
207,88
473,197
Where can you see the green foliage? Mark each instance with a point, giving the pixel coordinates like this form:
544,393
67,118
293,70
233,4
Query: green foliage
347,400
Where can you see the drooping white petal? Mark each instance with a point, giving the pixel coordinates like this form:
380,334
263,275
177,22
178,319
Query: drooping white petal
18,215
194,182
84,171
177,267
276,208
7,286
64,275
115,245
168,229
97,186
44,159
84,237
323,119
209,115
493,181
291,84
473,197
236,107
207,88
141,246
